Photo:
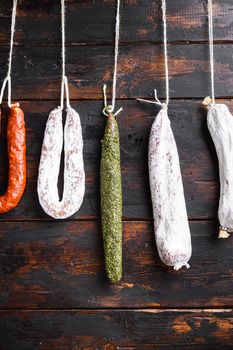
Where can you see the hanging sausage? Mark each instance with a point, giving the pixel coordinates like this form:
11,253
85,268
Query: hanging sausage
171,226
54,139
16,139
220,125
110,181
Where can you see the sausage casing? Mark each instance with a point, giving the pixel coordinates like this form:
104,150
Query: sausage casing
111,200
172,232
220,125
74,176
16,146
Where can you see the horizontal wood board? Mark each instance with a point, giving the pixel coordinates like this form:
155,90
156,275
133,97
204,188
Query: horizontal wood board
117,329
61,265
93,21
36,73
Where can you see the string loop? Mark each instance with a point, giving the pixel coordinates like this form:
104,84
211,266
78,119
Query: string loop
7,80
110,108
65,91
64,84
164,17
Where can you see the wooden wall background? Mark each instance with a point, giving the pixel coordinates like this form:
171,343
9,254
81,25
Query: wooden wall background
53,289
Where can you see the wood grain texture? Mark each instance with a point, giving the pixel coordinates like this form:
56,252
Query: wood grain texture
37,71
61,265
197,154
117,329
93,21
53,290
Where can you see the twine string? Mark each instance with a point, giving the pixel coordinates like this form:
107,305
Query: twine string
164,15
211,47
64,84
157,101
110,108
7,80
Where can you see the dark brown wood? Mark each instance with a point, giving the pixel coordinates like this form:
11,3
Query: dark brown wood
52,272
37,71
197,154
117,329
61,265
93,21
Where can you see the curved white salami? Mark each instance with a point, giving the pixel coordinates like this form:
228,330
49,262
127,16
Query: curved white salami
74,176
220,125
172,232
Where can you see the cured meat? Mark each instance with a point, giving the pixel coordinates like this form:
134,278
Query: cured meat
16,145
220,125
111,200
171,226
74,176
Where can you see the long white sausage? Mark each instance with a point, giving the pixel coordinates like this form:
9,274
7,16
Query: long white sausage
171,226
220,125
74,176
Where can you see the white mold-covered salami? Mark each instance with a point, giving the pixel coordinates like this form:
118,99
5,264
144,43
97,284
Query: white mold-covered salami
220,125
171,226
74,176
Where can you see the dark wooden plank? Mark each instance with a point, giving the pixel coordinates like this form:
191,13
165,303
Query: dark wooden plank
93,21
116,329
197,154
37,71
60,265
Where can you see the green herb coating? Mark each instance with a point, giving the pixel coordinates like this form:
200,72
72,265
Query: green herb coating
111,200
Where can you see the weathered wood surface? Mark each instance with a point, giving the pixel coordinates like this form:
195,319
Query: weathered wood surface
51,273
37,71
93,21
117,329
60,265
197,154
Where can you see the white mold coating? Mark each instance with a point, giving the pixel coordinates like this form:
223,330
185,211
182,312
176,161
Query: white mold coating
171,226
220,125
74,176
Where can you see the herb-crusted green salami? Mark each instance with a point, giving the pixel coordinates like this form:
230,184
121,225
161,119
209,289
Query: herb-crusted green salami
111,200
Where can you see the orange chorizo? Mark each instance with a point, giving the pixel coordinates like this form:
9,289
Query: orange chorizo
16,146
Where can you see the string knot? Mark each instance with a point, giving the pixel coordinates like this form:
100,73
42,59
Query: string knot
208,102
108,108
157,102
